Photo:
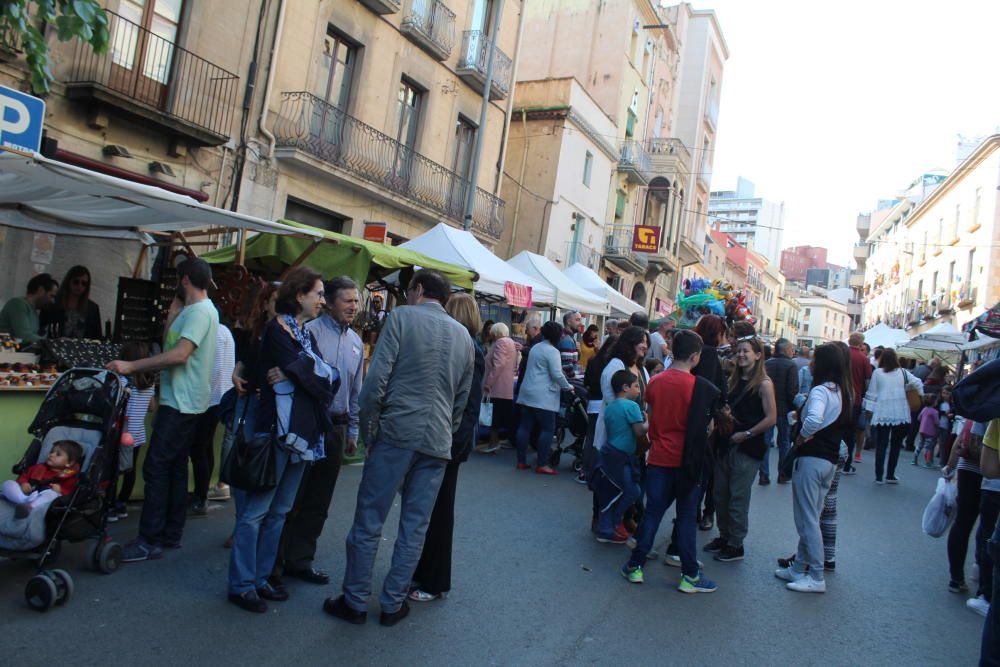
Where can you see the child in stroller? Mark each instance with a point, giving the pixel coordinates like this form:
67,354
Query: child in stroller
572,417
42,483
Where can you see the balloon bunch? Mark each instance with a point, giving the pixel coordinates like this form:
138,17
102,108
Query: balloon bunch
701,296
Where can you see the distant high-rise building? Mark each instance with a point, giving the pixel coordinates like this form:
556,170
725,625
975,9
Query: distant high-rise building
753,221
795,262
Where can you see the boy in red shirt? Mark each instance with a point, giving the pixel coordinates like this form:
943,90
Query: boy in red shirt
680,406
44,482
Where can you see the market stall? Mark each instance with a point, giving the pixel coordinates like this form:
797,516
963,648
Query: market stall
882,335
568,295
943,341
620,305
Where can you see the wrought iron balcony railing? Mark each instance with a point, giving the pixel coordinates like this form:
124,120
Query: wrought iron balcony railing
618,249
144,71
431,25
583,254
307,123
473,61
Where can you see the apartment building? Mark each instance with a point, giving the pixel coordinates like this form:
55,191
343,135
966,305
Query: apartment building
769,305
934,256
753,221
787,321
823,319
372,114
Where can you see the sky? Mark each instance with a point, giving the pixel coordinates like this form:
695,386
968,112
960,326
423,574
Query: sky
830,107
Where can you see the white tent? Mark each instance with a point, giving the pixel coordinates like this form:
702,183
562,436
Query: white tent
943,340
883,335
568,295
621,305
461,248
44,195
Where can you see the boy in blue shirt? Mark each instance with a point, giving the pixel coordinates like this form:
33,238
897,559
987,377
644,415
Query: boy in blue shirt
625,423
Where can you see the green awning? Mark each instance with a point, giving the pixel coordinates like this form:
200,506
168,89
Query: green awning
337,254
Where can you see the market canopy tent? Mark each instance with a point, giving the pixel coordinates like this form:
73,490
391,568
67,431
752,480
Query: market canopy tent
943,340
447,244
333,254
44,195
620,304
568,295
882,335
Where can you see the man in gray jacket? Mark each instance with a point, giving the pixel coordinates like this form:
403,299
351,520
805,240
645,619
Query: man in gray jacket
411,403
785,376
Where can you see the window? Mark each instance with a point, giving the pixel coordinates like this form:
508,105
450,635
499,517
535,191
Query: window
620,202
971,267
336,70
408,103
920,289
630,122
808,312
975,207
148,46
934,285
588,168
465,139
482,14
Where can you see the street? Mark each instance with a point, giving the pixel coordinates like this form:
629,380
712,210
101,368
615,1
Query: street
531,587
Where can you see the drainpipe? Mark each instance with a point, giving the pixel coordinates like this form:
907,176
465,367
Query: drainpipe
470,195
520,180
269,84
510,103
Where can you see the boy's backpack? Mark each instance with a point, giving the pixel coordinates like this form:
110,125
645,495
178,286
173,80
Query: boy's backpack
977,396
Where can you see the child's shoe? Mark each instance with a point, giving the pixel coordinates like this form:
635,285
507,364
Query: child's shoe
633,574
699,584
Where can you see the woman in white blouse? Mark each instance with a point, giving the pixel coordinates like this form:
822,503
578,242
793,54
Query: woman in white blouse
889,412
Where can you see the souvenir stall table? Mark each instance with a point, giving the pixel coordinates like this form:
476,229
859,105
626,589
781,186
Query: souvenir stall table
43,195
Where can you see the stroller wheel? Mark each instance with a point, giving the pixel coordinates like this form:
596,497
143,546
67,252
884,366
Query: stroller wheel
40,593
108,556
64,586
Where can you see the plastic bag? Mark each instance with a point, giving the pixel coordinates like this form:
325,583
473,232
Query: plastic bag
940,511
486,412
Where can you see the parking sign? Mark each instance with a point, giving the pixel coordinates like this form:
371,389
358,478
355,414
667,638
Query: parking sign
22,117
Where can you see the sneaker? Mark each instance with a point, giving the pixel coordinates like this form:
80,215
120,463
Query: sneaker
121,510
198,508
807,585
220,492
957,586
729,554
673,560
112,517
786,562
979,605
614,538
829,566
788,574
137,550
913,462
850,471
763,480
891,480
633,574
581,478
857,457
699,584
879,481
715,546
522,466
706,523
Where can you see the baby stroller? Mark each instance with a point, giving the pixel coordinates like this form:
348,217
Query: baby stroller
87,406
572,417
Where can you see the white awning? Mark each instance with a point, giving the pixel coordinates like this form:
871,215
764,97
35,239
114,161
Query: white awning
461,248
620,304
943,341
568,295
883,335
44,195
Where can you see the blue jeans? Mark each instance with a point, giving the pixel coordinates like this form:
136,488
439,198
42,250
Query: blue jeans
418,478
784,443
258,526
617,463
662,487
545,420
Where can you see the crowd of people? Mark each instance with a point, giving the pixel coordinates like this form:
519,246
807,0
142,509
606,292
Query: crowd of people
675,417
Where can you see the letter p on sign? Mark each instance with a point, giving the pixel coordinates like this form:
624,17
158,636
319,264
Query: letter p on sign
21,120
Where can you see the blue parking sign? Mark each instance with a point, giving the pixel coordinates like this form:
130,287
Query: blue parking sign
22,117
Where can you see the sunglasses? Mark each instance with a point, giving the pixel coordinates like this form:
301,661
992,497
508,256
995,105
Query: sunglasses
745,339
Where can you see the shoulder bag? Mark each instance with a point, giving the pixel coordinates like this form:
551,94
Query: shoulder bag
912,395
249,465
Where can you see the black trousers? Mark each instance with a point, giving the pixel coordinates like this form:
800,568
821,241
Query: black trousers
888,438
165,474
203,452
304,523
433,573
965,521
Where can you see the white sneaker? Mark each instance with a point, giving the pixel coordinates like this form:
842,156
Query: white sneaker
978,605
675,561
807,585
788,574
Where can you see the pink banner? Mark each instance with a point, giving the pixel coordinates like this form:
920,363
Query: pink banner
517,295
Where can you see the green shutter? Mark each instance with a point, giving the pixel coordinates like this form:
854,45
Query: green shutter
620,204
630,125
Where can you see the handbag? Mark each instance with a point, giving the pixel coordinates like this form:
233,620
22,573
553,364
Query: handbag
486,412
912,396
249,465
725,423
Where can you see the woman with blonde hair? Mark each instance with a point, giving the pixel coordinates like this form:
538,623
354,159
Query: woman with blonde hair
432,578
498,384
753,410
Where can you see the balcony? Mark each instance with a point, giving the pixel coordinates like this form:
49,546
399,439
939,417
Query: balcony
366,158
633,161
689,252
857,279
473,61
669,157
618,249
967,297
583,254
430,25
381,6
156,81
862,252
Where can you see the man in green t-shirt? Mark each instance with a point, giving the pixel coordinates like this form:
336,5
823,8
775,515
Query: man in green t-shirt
19,316
185,367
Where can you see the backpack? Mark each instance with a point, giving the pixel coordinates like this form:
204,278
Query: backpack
977,396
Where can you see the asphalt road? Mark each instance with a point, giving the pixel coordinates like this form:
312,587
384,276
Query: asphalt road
531,587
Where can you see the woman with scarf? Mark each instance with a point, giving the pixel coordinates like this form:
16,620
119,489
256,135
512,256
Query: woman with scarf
296,388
